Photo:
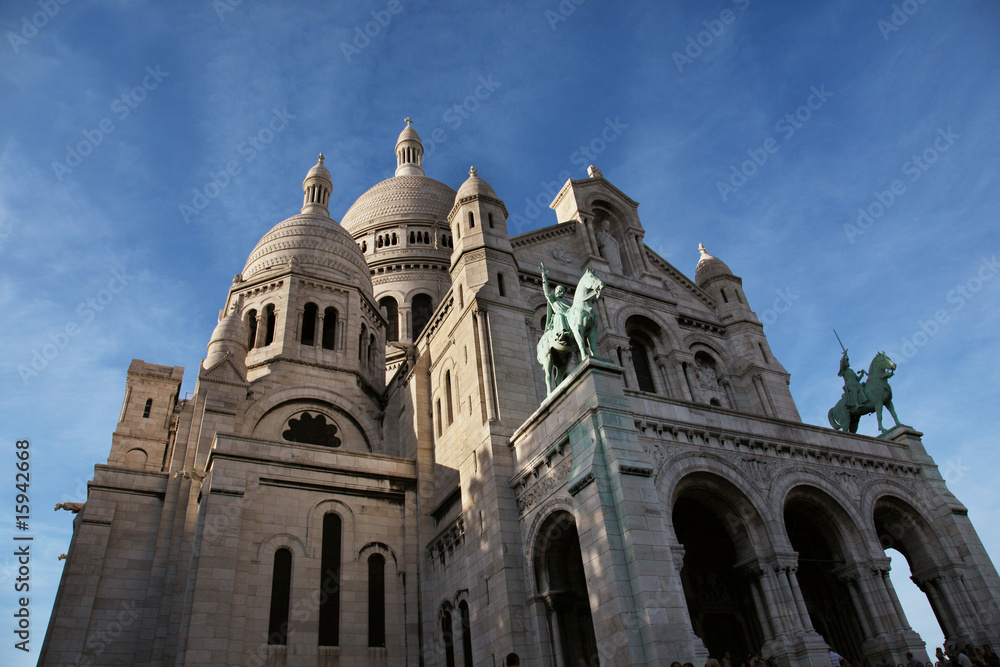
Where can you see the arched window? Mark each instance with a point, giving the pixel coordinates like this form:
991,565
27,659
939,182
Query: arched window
447,395
422,311
447,637
329,598
251,329
640,362
472,220
362,337
281,590
463,608
427,237
330,329
270,322
378,242
309,314
411,238
376,600
500,285
371,350
391,308
642,336
394,238
146,410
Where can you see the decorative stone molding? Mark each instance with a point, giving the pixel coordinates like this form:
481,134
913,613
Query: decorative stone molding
550,482
689,322
581,483
448,540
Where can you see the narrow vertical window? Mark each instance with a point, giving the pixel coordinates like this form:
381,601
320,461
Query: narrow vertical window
281,589
447,393
422,309
411,238
472,220
500,285
427,237
447,638
376,600
309,313
489,216
270,322
361,342
371,350
463,608
640,362
725,298
329,599
146,410
329,329
391,309
251,329
437,415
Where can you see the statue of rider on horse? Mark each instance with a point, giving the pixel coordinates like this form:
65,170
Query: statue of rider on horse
568,327
863,398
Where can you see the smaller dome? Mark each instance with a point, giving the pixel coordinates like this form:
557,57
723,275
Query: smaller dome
408,134
228,338
475,186
318,170
709,267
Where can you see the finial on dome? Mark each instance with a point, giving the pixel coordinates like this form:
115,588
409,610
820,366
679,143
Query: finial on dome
472,172
701,247
595,172
320,158
409,152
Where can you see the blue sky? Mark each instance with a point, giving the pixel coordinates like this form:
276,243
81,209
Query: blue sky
758,129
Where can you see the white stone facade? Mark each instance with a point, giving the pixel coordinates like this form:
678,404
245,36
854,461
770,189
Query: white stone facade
369,471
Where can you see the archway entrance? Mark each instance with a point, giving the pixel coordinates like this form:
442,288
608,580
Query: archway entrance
561,582
719,599
901,528
828,597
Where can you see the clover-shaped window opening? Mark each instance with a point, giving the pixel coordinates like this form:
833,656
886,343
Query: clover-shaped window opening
312,430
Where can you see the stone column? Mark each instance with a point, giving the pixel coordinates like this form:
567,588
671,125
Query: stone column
587,236
678,372
800,603
487,351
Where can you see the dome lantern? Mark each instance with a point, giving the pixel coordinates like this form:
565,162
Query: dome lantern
316,189
409,152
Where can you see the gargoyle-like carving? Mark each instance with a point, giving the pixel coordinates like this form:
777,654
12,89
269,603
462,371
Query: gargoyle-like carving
70,507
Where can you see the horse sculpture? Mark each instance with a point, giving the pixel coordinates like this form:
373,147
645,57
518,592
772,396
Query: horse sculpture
864,398
568,327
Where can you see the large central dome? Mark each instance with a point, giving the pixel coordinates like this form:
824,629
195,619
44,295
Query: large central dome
408,197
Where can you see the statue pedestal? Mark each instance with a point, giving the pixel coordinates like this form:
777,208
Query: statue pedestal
910,437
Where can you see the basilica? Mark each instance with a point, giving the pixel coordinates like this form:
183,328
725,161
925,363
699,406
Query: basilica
375,468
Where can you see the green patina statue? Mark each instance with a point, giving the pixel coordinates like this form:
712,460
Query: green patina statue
864,398
568,327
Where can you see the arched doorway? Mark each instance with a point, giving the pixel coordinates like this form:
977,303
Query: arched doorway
822,573
719,597
901,528
562,584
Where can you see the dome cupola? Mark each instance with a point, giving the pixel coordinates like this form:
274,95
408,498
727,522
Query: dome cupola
229,339
409,152
709,267
316,189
